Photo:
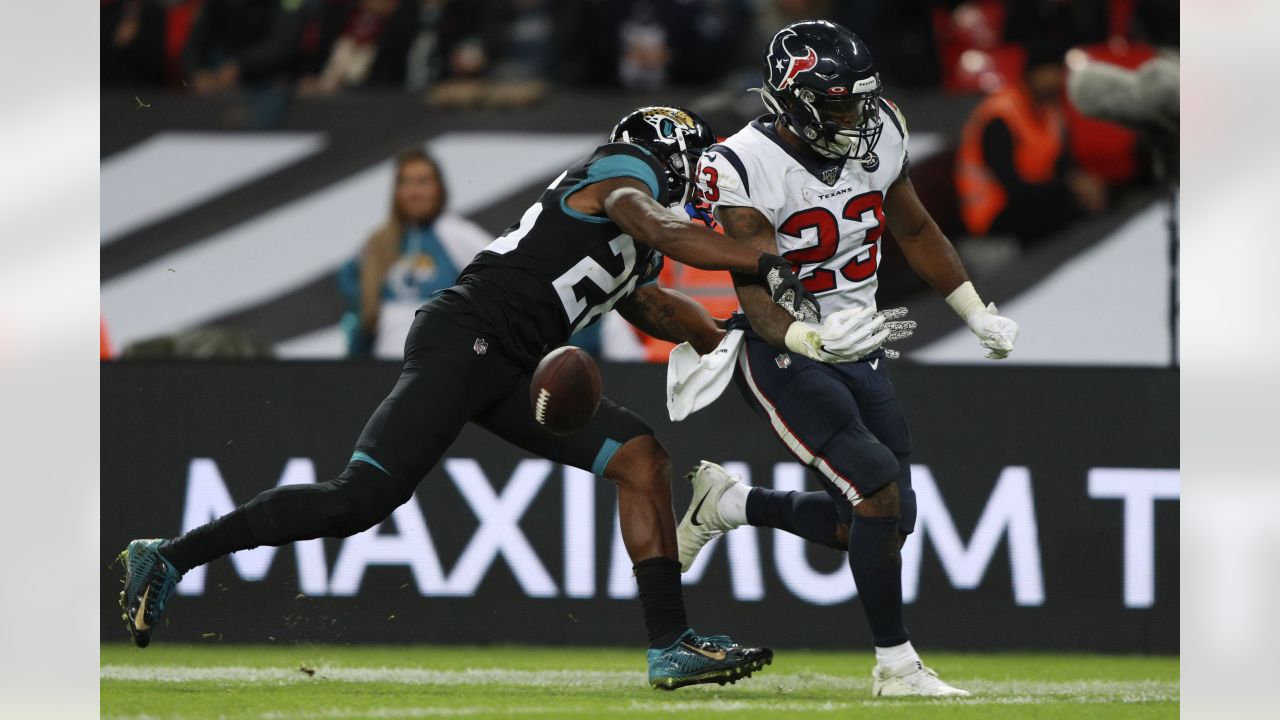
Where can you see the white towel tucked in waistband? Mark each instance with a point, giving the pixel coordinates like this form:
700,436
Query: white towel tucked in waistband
694,381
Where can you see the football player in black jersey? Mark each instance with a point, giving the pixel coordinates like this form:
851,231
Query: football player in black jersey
594,240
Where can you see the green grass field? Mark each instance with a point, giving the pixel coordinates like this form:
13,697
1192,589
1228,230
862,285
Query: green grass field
314,681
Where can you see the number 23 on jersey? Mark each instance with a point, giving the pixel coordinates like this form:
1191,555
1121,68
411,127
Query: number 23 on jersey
865,258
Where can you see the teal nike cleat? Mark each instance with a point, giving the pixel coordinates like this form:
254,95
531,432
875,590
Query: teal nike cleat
695,659
148,580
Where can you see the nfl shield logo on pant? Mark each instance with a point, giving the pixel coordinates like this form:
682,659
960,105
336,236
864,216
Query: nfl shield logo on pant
481,347
783,360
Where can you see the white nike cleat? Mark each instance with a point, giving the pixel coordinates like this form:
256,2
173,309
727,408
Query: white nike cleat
917,681
703,522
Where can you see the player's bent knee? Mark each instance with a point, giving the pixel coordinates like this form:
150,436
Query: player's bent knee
641,461
869,464
361,500
884,503
878,465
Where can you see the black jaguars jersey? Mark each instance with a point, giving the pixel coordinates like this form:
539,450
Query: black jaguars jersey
557,271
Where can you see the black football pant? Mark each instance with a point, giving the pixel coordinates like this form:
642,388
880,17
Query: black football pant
453,373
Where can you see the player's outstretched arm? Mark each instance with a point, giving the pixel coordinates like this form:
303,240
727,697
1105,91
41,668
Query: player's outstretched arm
627,203
934,258
641,217
671,316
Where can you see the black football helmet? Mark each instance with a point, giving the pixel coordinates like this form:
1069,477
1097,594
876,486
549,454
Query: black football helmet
819,78
675,136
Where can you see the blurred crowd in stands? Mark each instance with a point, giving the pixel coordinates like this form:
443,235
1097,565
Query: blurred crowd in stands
1026,164
463,49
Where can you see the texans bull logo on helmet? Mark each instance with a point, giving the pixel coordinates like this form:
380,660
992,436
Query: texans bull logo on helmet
820,80
785,63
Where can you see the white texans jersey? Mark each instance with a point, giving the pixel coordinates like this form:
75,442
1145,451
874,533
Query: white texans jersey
828,214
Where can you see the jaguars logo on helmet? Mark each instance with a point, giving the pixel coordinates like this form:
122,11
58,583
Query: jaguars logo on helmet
669,121
820,79
675,136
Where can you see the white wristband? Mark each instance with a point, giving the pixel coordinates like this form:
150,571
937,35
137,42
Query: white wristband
965,301
797,334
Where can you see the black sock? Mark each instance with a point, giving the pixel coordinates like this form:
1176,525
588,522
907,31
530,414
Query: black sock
877,571
227,534
811,515
663,600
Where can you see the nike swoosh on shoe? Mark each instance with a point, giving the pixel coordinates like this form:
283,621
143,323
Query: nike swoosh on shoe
718,655
699,507
139,620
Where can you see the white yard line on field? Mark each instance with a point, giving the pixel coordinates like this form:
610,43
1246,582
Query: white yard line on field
1013,692
587,679
657,708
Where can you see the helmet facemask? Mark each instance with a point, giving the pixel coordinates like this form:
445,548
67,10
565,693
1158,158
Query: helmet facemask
855,138
834,127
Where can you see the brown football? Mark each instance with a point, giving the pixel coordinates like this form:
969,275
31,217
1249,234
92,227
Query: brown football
566,390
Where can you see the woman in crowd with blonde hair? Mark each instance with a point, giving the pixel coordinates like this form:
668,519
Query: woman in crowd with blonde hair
419,249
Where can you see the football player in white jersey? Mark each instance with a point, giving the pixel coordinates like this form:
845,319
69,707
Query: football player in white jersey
816,180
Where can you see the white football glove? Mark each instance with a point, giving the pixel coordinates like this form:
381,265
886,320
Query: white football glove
849,335
995,332
854,332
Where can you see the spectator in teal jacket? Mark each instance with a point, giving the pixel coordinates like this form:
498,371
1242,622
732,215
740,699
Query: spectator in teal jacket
418,251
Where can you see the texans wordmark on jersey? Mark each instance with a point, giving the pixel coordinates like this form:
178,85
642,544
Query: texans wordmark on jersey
828,215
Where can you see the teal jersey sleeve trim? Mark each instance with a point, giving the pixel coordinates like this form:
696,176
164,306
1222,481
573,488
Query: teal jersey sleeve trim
603,457
364,458
623,166
612,166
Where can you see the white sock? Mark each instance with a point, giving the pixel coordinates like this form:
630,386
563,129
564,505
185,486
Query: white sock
898,658
732,505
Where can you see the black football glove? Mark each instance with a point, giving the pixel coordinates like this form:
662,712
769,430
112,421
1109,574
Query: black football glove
786,289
